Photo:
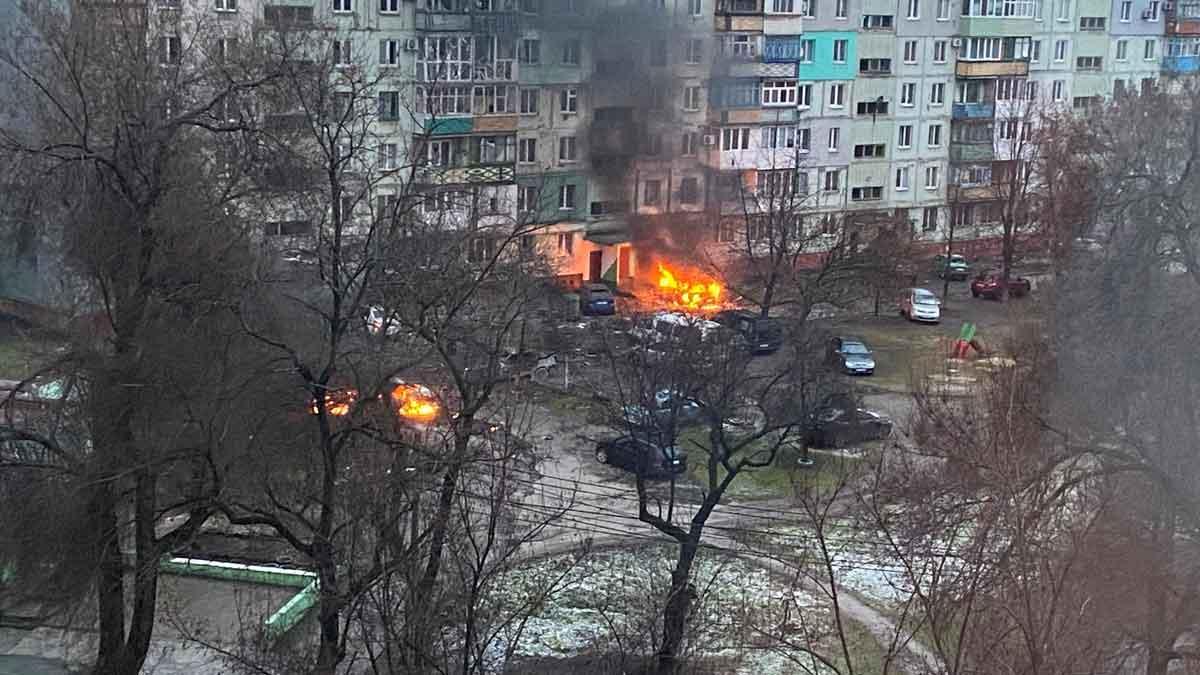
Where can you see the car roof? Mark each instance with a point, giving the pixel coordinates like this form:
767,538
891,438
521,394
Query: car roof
852,341
596,287
685,320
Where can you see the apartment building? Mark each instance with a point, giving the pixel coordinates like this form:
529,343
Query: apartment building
605,119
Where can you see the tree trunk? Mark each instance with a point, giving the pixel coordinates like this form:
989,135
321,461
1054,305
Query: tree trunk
418,626
110,587
145,582
328,621
679,602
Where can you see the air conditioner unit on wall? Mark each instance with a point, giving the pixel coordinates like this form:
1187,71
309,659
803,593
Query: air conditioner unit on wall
411,45
956,43
708,140
1146,14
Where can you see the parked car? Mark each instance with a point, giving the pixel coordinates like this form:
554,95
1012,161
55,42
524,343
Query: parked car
762,335
673,327
375,320
836,426
919,304
851,356
596,300
988,285
953,267
641,456
667,407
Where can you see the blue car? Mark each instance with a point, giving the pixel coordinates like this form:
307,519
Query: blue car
596,299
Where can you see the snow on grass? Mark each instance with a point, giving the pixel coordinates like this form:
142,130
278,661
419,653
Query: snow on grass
612,600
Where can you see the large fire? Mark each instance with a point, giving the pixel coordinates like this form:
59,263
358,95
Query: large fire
694,293
415,402
412,402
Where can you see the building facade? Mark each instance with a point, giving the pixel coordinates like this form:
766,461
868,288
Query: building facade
607,119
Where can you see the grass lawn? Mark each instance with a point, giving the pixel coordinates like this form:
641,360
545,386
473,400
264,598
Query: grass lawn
897,344
784,478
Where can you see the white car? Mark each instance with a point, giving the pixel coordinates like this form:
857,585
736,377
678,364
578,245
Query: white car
375,321
674,327
919,304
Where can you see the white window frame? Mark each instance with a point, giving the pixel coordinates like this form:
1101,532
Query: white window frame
566,197
389,53
688,144
908,94
837,95
170,50
902,178
535,98
933,136
932,177
904,137
389,6
804,93
845,49
568,149
343,6
568,101
696,7
526,150
1061,50
911,49
835,139
779,93
226,5
779,138
808,49
943,10
695,51
831,180
914,10
1122,50
937,93
388,156
1059,90
839,10
1149,51
691,98
735,138
939,51
1126,11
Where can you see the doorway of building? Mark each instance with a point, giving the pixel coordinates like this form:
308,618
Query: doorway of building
595,265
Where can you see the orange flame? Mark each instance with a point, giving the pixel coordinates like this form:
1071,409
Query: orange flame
337,403
693,294
415,402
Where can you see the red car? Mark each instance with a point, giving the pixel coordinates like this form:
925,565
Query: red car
987,285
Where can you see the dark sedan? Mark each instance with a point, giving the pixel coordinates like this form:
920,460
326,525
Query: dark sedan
597,299
639,455
851,356
836,427
989,285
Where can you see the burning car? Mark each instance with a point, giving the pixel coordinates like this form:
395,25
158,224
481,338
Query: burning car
689,291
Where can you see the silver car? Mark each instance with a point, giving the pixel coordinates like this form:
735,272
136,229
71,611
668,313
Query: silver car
919,304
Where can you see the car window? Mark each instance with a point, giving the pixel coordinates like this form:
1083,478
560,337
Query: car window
854,348
924,297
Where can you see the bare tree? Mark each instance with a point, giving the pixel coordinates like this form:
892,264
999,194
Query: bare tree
746,417
782,245
120,114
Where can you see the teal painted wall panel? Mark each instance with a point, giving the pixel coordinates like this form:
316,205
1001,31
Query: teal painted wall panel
549,189
822,66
